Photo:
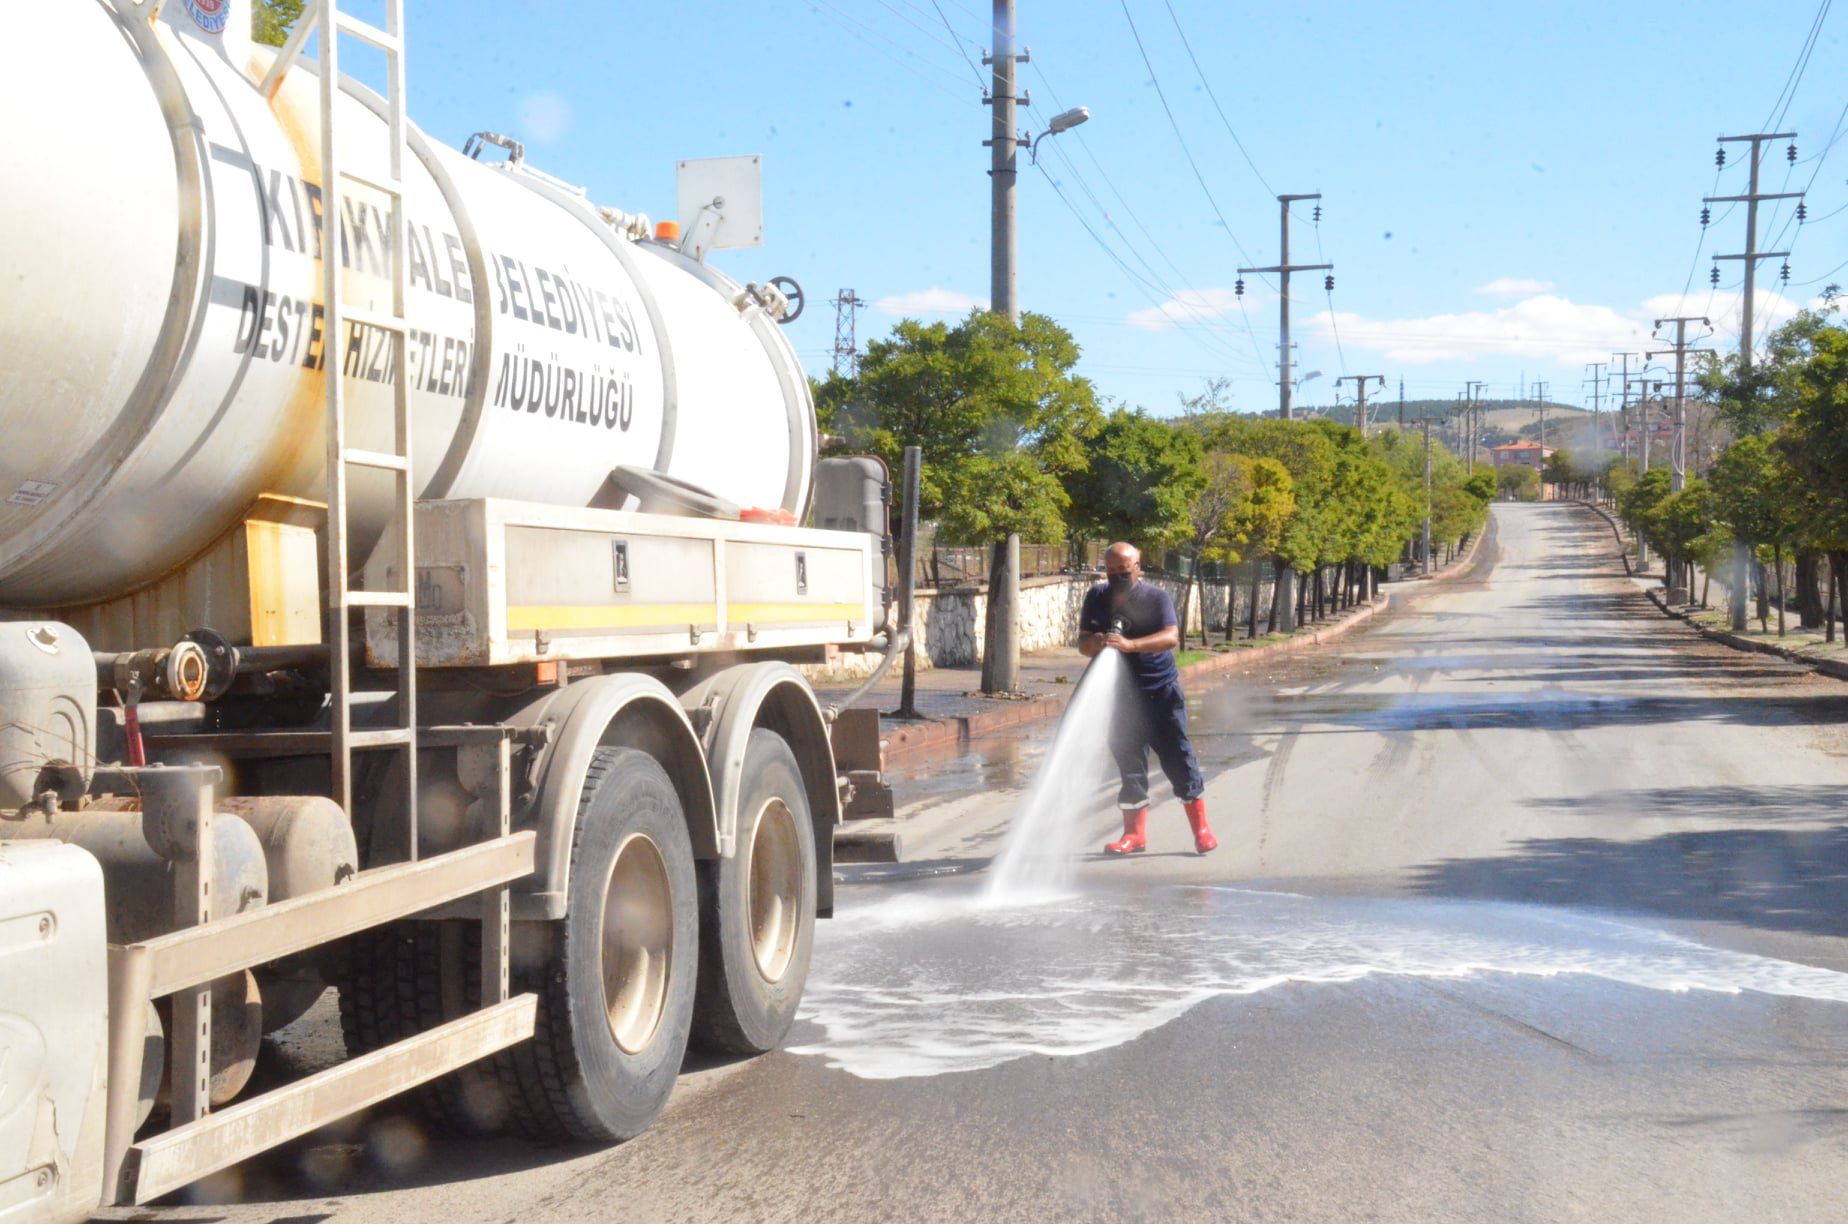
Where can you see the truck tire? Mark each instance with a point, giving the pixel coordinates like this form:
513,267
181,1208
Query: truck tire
404,978
616,992
757,909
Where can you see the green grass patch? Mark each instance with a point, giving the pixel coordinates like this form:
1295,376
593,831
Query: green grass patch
1184,657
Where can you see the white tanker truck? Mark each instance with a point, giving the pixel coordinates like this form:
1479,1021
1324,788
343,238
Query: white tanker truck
402,587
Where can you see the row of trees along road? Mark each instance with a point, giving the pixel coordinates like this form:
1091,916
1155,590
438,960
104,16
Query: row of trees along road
1779,489
1015,441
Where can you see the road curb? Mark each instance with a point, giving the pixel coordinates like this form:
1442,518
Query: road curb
1725,637
918,737
1623,548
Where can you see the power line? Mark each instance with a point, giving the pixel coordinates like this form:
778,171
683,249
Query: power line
1155,80
1788,93
1184,278
904,55
959,41
1215,99
1154,298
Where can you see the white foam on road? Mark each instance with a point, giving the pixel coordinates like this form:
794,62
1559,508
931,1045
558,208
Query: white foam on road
928,984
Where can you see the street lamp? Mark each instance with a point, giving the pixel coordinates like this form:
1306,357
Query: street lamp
1064,121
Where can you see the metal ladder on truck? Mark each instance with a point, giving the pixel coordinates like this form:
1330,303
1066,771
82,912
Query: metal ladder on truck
186,962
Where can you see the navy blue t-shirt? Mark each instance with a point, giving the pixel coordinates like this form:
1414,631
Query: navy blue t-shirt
1145,610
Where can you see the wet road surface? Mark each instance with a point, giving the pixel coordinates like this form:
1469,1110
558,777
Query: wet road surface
1528,906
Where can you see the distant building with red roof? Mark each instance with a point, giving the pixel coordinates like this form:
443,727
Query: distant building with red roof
1529,454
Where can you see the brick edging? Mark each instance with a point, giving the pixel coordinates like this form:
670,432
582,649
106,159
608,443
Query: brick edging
916,737
1725,637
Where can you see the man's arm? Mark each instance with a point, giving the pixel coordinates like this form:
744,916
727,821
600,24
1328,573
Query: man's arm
1091,622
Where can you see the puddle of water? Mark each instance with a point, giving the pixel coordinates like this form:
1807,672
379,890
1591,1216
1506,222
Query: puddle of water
933,982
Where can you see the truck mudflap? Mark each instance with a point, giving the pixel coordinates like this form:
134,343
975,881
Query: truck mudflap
53,1030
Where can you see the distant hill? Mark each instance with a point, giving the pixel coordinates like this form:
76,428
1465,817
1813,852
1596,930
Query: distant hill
1507,418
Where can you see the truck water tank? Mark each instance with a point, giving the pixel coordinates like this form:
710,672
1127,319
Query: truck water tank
161,336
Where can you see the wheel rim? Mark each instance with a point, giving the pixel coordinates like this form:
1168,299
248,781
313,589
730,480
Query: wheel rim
776,882
638,942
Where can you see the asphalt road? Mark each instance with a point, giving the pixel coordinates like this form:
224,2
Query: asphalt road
1529,906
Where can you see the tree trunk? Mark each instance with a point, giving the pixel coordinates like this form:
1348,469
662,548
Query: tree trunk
1809,607
1828,616
1187,606
1001,630
1302,601
1777,564
1839,588
1764,597
1735,609
1706,583
1257,588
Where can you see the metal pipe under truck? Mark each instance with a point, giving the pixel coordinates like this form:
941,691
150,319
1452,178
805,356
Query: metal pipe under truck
403,589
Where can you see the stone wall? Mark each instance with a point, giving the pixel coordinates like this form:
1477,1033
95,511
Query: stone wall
949,621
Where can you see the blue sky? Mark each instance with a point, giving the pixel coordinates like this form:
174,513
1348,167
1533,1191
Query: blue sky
1510,191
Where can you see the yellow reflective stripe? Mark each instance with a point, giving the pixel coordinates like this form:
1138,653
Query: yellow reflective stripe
783,613
525,619
609,616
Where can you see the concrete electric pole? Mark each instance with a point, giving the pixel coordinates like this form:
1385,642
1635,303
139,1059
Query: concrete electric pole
1472,426
1750,256
1003,146
1360,393
1283,268
1679,458
1426,418
1623,407
1597,381
1540,389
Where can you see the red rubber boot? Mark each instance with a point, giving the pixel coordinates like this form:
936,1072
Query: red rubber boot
1135,833
1204,841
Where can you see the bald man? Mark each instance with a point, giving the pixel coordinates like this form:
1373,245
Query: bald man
1136,618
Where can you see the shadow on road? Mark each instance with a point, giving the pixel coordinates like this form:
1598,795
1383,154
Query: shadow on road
1792,880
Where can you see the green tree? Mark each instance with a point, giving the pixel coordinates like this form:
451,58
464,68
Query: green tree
1560,471
1238,515
1308,455
271,20
1519,482
1763,500
1140,483
1814,443
999,414
1687,534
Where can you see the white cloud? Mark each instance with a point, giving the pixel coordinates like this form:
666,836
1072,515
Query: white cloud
1513,286
1186,306
929,301
1539,327
544,117
1770,309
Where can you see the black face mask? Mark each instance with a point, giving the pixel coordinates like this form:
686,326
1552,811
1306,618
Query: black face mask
1120,583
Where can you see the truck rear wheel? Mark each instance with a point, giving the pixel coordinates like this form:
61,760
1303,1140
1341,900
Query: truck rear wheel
616,993
757,909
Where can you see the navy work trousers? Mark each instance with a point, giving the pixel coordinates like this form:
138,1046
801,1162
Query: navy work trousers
1155,720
